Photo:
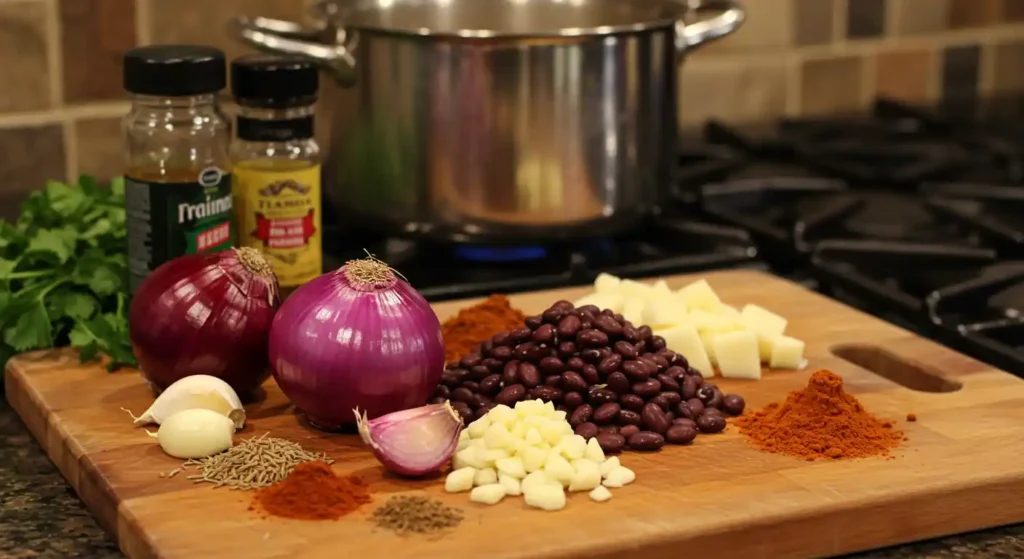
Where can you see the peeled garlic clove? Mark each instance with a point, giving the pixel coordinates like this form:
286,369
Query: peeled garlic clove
195,392
195,433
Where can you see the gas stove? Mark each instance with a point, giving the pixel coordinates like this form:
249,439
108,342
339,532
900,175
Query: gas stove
916,216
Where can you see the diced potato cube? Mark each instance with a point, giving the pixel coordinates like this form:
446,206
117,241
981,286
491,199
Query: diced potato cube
512,467
606,283
619,477
662,313
633,310
573,447
533,459
471,457
683,339
497,436
613,301
551,432
485,476
587,476
492,455
699,295
487,494
738,355
594,452
512,485
762,320
728,312
479,427
534,479
609,465
533,436
600,494
661,288
558,469
632,289
787,353
549,497
459,480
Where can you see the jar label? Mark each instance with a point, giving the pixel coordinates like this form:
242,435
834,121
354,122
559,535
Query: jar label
166,220
279,214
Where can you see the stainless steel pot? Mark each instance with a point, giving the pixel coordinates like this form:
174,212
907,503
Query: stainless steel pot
499,120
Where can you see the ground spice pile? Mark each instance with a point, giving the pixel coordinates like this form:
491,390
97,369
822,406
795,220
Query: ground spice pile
313,492
820,421
474,325
254,463
409,514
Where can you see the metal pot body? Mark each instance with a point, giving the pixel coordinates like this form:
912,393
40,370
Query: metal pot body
498,139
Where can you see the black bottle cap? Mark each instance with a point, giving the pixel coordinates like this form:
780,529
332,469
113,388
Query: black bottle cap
259,80
174,70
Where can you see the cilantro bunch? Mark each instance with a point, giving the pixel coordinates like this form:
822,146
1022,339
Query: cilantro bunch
64,273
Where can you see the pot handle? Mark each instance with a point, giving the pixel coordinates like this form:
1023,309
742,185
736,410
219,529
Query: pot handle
326,47
693,35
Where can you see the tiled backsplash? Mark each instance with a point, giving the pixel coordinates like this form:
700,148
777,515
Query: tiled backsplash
62,100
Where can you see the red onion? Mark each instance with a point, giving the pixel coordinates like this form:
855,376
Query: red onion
205,314
413,442
358,337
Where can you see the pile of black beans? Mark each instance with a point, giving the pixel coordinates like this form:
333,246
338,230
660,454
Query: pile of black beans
615,381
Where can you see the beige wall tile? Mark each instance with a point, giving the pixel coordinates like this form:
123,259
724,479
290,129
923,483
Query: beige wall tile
734,91
24,67
831,85
769,24
974,13
813,21
904,74
205,21
94,36
100,148
917,17
1008,74
32,155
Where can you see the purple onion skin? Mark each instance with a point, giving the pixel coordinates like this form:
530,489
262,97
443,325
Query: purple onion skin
203,314
334,348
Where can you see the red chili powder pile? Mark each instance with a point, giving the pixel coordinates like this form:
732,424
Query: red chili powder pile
313,492
820,421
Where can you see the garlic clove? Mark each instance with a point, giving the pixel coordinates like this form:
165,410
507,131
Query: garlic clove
195,392
195,433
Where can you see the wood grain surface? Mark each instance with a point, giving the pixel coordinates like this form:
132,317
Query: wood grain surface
960,470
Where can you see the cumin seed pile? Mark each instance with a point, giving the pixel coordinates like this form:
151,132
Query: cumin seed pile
411,514
254,463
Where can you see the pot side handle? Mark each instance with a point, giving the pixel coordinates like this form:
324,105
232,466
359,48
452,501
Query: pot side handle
289,38
693,35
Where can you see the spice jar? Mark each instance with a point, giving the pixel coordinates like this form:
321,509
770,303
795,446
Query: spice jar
277,165
178,182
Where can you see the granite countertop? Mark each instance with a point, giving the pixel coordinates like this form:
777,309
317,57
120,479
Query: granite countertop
40,515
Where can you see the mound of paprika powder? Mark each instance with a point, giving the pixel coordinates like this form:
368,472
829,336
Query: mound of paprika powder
313,492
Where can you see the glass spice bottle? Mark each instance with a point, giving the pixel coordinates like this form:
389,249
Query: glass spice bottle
177,182
277,164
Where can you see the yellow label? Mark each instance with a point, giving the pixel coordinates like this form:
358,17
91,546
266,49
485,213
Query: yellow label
278,209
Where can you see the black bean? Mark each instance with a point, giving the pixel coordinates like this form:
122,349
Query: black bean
551,365
667,400
605,353
589,309
668,382
525,350
618,383
607,413
442,391
683,410
608,429
478,372
630,417
635,370
510,374
631,402
553,380
677,373
684,421
582,414
592,338
645,332
600,396
490,385
710,423
566,306
462,394
690,371
648,388
480,412
574,363
709,395
670,416
589,372
611,443
572,400
544,334
511,394
479,400
620,319
631,334
652,366
591,356
547,393
501,353
552,315
610,364
733,404
486,347
586,430
690,386
566,349
608,325
696,407
472,386
451,380
654,418
571,380
646,440
568,327
502,339
470,360
437,400
607,312
657,342
533,322
681,433
628,430
625,349
713,411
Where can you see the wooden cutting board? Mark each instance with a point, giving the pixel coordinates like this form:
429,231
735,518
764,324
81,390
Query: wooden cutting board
960,470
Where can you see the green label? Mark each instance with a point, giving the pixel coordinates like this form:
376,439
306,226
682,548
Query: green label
168,220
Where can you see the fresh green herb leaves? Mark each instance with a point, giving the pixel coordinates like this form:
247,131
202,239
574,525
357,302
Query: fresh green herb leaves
64,273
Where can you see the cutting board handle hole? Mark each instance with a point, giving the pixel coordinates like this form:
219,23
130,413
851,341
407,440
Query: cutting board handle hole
904,372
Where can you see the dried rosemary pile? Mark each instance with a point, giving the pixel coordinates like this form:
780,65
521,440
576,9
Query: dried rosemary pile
410,514
254,463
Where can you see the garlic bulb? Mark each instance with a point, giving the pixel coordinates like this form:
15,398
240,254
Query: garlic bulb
195,433
194,392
